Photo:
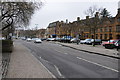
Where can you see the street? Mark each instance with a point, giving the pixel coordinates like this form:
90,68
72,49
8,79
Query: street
64,62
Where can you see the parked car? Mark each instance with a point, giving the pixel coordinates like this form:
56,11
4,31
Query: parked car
2,38
29,39
33,39
97,41
84,41
43,39
50,39
109,44
74,40
23,38
57,39
117,44
38,41
66,39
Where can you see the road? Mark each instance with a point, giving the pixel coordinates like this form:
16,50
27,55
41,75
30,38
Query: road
64,62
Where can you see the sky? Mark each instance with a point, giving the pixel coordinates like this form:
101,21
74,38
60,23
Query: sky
60,10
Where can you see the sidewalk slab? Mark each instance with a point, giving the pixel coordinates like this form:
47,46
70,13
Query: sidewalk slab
24,65
0,65
91,49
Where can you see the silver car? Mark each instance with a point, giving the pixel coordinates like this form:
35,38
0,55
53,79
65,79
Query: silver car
84,41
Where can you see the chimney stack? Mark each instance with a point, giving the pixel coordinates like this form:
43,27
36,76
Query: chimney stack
96,15
87,17
66,21
78,18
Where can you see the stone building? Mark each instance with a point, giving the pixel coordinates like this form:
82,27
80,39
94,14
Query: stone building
41,33
99,28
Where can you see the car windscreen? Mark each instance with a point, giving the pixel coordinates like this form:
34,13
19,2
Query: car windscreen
112,41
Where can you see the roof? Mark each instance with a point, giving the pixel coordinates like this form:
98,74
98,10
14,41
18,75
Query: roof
53,24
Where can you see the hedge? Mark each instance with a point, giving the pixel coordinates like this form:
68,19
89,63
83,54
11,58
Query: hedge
7,46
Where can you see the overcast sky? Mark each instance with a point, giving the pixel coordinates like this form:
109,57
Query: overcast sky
57,10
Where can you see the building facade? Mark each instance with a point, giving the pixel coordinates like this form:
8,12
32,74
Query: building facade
41,33
99,28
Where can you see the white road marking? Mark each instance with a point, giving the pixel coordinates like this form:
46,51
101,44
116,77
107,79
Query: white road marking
60,52
65,53
45,67
99,55
55,68
58,70
98,64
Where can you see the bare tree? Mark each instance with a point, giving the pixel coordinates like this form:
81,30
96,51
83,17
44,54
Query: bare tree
93,22
92,10
17,13
105,13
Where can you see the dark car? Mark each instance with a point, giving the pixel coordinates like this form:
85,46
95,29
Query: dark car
109,44
43,39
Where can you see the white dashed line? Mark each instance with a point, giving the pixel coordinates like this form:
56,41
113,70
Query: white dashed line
45,68
60,52
65,53
98,64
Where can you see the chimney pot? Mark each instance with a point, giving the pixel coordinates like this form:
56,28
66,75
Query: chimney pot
87,17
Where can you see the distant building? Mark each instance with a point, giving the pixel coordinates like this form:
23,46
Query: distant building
41,33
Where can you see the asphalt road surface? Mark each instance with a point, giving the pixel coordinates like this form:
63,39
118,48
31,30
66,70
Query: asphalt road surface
64,62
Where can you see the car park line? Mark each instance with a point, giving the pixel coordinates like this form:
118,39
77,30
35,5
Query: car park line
98,64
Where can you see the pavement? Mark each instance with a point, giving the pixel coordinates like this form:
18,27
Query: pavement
95,50
0,65
24,65
0,60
